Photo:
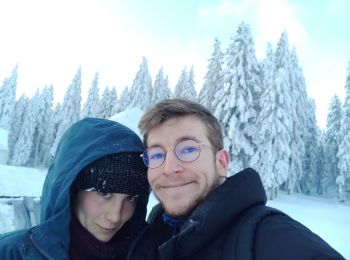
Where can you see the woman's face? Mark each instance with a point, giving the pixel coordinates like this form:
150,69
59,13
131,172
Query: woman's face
103,214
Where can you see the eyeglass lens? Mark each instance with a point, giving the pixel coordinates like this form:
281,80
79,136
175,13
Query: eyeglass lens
186,151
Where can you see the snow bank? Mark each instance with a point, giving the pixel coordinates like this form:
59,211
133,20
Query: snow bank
21,181
129,118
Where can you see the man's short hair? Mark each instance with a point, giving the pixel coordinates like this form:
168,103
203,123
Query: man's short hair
177,108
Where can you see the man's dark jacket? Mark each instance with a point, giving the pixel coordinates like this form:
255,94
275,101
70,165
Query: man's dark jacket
211,231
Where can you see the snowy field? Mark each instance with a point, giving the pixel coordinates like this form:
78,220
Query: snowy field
323,216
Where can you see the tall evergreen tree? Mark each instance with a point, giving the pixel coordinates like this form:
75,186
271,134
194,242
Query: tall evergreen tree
111,102
103,107
321,180
141,90
24,145
90,108
213,78
161,88
185,87
292,78
17,124
273,135
44,131
115,106
8,100
70,110
57,119
304,128
331,171
190,91
343,180
124,99
309,178
108,101
238,104
181,83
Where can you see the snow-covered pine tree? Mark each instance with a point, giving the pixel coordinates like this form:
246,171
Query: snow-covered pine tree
124,99
185,86
45,131
161,88
8,100
273,136
304,126
321,182
308,180
108,100
70,109
17,124
213,78
57,118
190,91
288,68
115,106
238,104
103,106
112,102
140,93
181,83
343,180
90,108
24,145
331,144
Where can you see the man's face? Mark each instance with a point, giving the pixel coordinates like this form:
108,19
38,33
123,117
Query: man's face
178,185
103,214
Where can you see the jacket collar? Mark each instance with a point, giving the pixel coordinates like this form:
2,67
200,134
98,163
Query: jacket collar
221,207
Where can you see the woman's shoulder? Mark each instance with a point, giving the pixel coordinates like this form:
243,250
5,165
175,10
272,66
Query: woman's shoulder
12,242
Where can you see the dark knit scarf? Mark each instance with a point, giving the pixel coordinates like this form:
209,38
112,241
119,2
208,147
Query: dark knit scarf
174,223
83,245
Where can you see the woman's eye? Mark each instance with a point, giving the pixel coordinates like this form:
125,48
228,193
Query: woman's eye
131,198
105,194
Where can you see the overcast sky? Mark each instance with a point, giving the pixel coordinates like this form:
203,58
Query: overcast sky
51,39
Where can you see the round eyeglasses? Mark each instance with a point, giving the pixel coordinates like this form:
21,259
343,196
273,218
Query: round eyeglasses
185,151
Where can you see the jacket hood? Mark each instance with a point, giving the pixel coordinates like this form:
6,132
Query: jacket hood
83,143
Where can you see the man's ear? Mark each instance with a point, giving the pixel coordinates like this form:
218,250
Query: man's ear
222,161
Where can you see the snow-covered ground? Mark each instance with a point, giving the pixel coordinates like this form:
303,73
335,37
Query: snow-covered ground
323,216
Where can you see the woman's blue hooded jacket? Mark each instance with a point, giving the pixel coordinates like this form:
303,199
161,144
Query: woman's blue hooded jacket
83,143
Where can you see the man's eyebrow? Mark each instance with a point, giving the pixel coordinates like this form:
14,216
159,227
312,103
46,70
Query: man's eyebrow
183,138
187,137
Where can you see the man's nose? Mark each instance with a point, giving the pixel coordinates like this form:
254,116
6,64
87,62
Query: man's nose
172,164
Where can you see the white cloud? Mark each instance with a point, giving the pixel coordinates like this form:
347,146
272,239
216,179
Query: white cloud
275,16
226,8
173,57
267,18
51,39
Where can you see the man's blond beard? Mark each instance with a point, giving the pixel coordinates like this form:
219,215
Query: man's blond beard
189,209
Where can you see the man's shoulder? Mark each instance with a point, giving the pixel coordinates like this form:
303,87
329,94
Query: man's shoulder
244,228
279,236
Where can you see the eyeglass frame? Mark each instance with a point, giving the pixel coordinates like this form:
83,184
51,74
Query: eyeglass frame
174,150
